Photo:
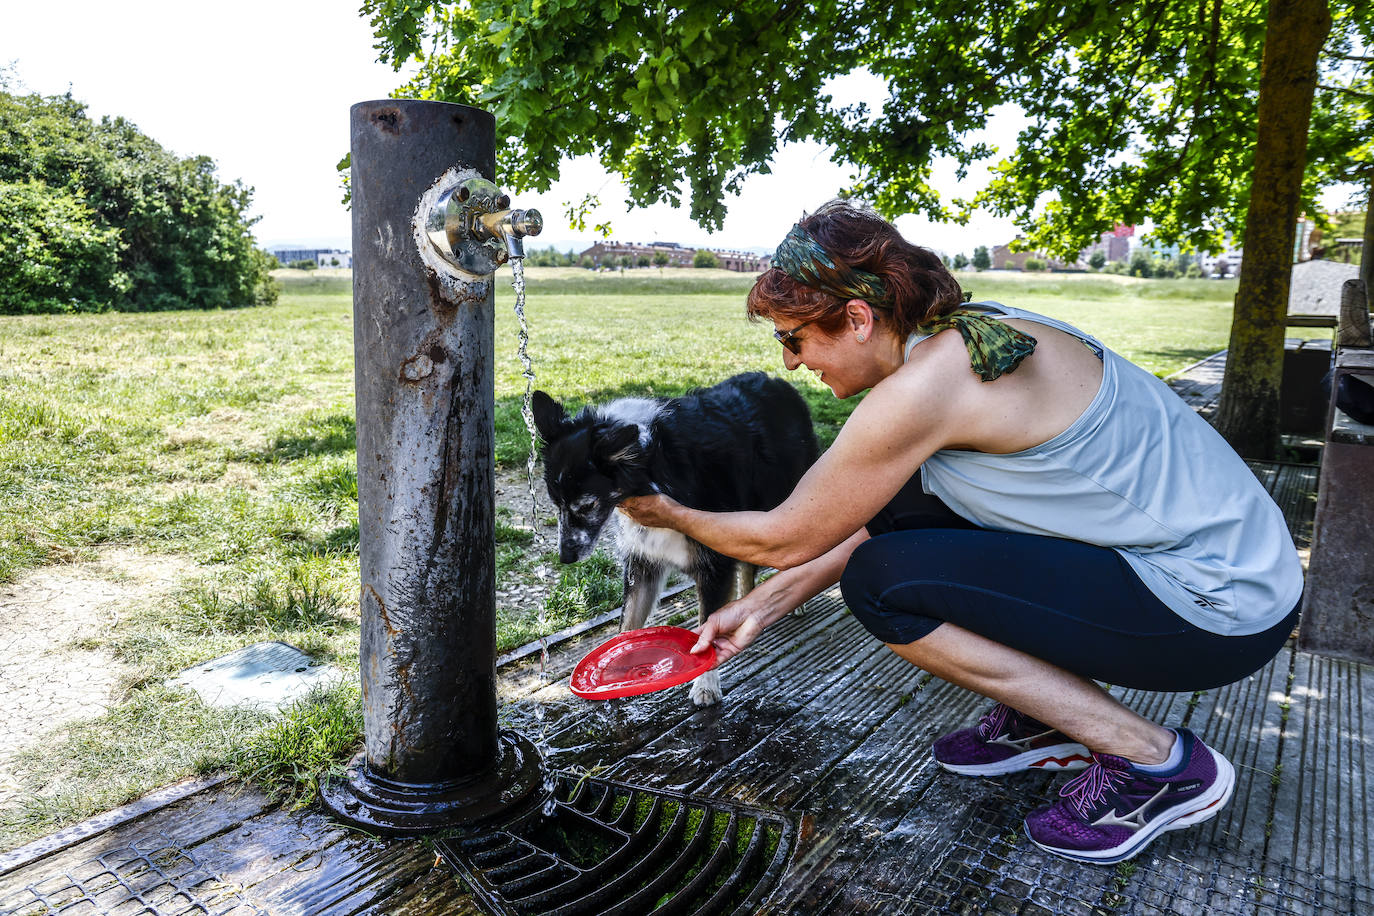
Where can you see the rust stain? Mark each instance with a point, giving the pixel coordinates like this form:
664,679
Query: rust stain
382,612
388,119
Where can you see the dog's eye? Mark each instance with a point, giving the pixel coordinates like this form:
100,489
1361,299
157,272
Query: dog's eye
583,506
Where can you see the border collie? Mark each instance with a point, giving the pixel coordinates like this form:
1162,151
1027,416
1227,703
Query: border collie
739,445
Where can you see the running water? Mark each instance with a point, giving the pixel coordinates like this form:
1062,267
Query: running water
527,411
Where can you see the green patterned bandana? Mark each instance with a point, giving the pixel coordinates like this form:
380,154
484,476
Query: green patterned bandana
803,259
994,347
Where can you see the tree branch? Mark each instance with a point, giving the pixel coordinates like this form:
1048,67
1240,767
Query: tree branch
1368,96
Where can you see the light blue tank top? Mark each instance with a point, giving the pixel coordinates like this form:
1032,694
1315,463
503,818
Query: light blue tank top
1139,471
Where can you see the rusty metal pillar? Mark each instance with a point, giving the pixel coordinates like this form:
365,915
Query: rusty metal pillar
423,338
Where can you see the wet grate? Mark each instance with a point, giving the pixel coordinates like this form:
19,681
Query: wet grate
605,848
994,868
156,879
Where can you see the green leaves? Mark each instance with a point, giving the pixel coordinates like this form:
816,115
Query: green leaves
1139,109
96,216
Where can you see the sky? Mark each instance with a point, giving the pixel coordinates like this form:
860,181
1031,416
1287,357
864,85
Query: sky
264,89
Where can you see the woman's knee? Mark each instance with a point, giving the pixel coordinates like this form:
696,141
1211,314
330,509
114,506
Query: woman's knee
867,579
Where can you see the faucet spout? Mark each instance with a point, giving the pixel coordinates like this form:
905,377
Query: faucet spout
511,227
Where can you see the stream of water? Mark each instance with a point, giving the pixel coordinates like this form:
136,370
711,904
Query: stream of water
527,412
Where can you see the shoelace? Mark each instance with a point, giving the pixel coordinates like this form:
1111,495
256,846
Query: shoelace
1088,788
994,721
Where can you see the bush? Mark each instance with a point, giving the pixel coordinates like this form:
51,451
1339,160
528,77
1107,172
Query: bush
704,258
96,216
303,265
1034,264
1097,259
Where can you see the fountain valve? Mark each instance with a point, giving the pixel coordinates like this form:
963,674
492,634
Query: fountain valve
472,227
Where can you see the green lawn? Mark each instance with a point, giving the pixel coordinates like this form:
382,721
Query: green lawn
226,437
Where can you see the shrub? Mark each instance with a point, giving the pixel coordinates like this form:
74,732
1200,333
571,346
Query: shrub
1034,264
96,216
704,258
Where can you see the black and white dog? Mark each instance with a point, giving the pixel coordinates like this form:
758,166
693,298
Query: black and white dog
740,445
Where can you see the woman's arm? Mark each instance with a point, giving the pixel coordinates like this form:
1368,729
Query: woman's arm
734,626
901,422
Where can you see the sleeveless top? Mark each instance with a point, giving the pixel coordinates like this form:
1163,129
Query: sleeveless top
1140,472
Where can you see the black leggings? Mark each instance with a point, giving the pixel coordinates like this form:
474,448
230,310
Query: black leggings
1074,605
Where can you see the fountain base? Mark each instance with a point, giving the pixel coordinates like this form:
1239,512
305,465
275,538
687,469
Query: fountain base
380,805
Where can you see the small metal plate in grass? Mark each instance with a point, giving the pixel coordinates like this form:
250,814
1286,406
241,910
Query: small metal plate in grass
265,675
601,848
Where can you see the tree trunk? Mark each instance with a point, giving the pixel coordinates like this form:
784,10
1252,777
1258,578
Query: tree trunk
1248,415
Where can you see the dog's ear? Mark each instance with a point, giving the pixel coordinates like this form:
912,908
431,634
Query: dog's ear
619,446
549,416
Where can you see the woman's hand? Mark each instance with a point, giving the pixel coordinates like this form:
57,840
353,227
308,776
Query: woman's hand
653,511
730,629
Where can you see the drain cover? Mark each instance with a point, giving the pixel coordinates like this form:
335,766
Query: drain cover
610,849
152,878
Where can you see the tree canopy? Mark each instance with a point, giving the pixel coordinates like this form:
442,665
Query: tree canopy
1138,109
97,216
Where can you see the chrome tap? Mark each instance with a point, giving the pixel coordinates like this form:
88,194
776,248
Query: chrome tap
473,228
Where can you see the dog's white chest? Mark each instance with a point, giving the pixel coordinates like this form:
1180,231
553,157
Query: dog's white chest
662,544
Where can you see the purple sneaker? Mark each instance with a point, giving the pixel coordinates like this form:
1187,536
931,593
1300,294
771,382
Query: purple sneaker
1112,810
1006,741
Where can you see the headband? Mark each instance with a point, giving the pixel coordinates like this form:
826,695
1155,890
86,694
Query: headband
803,259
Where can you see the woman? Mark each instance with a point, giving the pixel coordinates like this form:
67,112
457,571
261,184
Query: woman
1018,510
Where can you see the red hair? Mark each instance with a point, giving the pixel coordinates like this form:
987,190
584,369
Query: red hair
919,287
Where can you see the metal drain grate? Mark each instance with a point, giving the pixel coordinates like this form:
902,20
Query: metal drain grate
610,849
156,879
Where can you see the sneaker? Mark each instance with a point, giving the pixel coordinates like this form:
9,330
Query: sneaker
1112,810
1006,741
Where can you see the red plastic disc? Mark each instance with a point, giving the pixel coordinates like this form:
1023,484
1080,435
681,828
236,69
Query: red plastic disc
640,661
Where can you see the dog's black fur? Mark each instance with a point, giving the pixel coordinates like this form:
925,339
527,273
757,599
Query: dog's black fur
739,445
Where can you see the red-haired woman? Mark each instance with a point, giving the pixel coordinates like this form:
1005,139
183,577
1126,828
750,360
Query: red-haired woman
1018,510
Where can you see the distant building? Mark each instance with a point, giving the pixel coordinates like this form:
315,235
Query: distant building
1003,258
610,253
1115,245
291,255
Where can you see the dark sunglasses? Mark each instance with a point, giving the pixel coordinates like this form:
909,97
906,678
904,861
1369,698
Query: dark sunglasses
789,338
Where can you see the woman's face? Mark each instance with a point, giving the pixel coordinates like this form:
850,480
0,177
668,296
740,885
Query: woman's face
837,360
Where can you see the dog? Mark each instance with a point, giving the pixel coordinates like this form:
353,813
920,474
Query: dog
740,445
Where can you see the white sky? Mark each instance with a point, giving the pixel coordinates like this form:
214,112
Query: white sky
264,89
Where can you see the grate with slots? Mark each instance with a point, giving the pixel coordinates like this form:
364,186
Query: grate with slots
602,847
153,878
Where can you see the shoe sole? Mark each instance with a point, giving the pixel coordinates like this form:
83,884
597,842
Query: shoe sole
1206,807
1054,758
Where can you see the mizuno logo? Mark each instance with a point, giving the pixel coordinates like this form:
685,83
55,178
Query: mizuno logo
1133,819
1019,744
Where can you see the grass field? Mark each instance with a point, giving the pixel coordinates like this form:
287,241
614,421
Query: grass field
227,438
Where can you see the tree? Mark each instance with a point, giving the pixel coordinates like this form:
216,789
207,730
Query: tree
981,259
1097,259
96,216
960,261
1138,109
705,258
660,259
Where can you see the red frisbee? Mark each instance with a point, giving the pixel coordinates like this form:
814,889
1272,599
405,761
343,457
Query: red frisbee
640,661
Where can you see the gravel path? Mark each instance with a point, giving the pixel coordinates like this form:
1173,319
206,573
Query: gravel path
46,679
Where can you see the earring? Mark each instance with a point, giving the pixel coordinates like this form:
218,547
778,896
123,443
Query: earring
859,338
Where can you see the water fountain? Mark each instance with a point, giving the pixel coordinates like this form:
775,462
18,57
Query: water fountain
430,228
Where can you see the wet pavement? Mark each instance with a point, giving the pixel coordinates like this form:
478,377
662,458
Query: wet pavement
825,728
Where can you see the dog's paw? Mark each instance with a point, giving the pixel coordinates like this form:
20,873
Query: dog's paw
706,689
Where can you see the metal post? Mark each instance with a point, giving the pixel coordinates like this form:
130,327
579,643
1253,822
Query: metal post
423,338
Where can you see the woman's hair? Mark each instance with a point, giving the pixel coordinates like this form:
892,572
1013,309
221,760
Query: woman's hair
919,287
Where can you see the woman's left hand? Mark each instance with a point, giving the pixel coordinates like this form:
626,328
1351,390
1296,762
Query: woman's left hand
653,511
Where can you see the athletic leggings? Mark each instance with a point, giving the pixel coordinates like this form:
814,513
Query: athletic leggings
1074,605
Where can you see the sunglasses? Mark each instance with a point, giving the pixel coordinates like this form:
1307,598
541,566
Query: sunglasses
789,338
